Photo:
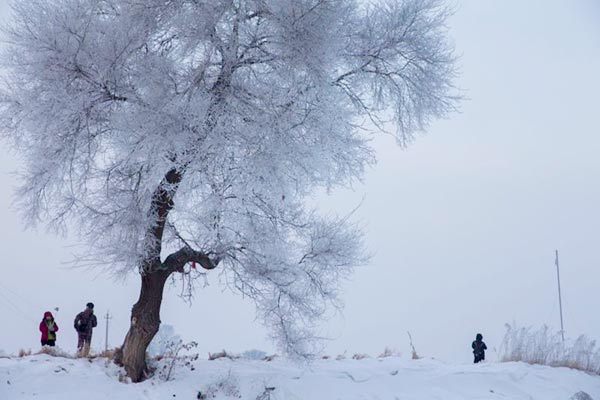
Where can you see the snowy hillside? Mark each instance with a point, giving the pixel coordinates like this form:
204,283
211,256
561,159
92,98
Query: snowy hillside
52,378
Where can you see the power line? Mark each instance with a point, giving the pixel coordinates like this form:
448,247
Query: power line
16,308
21,300
8,289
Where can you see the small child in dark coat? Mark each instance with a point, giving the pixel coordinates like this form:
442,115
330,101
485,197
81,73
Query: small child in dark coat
479,348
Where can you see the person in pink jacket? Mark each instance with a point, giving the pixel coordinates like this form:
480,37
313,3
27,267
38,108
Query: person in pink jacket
48,327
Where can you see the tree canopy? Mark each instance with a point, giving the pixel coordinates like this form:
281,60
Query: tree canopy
170,131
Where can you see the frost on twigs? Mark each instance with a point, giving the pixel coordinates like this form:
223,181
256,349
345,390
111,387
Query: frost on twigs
174,357
169,352
173,134
227,387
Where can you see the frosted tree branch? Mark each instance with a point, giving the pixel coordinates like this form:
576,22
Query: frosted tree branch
170,132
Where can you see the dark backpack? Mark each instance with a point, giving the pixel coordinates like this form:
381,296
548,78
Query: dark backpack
82,324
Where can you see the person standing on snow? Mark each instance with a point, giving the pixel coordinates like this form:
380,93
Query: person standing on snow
48,327
85,321
479,348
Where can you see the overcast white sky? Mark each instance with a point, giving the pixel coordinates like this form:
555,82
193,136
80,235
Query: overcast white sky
463,224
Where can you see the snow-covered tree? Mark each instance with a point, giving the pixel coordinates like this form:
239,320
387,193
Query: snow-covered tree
177,131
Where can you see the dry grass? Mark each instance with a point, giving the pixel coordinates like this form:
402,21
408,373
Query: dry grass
54,352
360,356
24,353
110,353
414,355
58,352
545,347
389,352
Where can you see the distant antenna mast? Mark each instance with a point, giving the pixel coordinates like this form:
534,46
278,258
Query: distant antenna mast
107,317
562,327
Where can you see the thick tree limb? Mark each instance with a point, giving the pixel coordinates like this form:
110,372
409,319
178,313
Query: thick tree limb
162,204
178,259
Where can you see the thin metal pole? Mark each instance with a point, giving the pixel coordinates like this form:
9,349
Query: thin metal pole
562,327
106,317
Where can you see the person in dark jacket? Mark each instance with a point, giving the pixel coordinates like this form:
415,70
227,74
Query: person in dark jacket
84,322
48,327
479,348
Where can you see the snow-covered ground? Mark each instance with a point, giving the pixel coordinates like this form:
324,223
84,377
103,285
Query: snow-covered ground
54,378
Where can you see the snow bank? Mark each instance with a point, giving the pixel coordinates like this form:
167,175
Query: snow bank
53,378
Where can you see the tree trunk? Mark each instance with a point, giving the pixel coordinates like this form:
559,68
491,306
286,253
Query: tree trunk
145,321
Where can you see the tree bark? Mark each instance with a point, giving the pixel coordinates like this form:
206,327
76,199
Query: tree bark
145,315
145,321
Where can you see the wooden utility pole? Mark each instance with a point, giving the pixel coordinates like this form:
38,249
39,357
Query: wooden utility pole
562,327
107,317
